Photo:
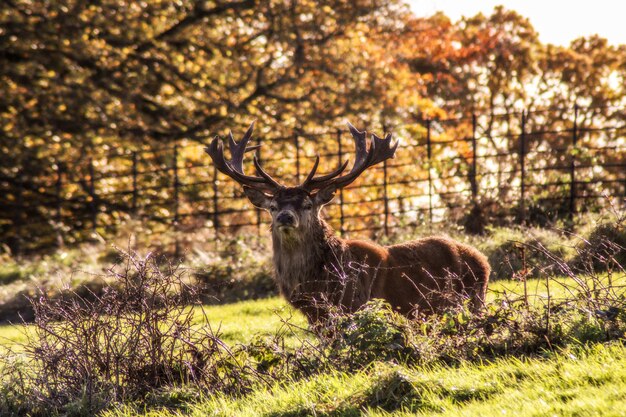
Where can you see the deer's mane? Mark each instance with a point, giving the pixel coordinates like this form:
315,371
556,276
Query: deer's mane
304,259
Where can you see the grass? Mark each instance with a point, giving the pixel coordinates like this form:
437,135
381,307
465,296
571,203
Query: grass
12,337
236,323
558,288
586,382
242,321
580,379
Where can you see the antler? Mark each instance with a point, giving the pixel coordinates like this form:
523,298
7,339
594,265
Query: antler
379,150
234,167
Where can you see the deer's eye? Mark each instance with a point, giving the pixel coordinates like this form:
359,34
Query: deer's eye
307,206
273,208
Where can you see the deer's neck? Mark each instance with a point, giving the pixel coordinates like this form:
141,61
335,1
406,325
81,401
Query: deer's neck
305,256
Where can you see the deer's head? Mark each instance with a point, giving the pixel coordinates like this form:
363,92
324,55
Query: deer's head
296,208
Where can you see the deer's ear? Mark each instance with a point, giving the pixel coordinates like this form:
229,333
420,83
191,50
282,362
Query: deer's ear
324,196
257,198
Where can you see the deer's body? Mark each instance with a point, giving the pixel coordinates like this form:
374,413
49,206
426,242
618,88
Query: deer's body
421,276
315,269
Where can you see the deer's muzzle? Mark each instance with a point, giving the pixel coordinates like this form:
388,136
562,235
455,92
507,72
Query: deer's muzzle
286,219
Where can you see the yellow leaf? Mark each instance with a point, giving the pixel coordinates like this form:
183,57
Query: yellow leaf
167,89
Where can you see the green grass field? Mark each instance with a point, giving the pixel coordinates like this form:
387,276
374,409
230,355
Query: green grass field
585,381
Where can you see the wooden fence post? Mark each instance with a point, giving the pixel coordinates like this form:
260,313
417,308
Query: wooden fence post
17,213
177,249
430,179
93,205
340,157
385,194
258,211
572,189
135,188
385,199
473,175
59,201
522,161
216,217
296,142
176,185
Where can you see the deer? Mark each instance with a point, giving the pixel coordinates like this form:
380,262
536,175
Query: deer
315,269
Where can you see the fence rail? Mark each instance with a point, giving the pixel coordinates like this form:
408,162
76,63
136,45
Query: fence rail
442,169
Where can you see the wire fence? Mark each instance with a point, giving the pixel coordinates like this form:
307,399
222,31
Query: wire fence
517,167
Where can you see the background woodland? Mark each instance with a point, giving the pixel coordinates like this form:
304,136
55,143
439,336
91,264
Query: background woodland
94,95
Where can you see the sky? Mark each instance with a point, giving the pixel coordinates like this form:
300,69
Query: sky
557,21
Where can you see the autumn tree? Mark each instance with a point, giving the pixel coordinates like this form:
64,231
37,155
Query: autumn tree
83,80
483,72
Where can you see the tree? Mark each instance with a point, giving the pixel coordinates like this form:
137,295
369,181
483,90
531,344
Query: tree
84,79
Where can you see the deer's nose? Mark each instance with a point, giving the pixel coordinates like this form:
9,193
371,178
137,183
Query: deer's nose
285,218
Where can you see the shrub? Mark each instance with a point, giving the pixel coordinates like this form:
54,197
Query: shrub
138,336
223,283
375,332
236,272
528,252
604,249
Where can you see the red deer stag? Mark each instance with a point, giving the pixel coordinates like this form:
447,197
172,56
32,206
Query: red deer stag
314,268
